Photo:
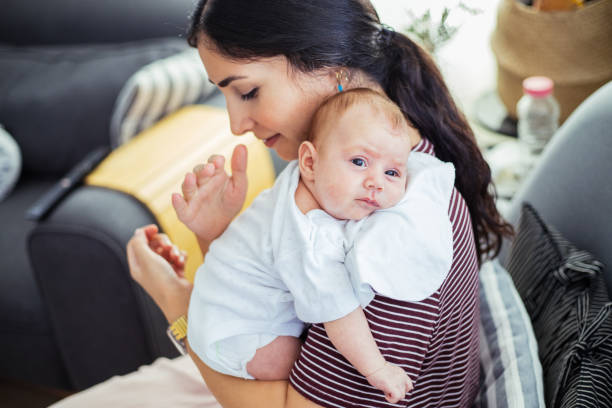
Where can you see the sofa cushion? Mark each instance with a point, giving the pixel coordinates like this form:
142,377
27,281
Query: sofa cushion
566,297
510,368
57,101
157,90
10,163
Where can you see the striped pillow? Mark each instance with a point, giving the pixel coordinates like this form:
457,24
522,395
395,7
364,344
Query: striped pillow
10,163
157,90
511,374
566,298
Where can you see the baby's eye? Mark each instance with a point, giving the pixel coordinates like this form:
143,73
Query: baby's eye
250,95
358,161
392,173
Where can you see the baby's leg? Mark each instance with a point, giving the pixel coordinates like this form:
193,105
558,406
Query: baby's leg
275,360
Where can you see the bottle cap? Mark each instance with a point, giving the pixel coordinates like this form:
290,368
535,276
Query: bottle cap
538,86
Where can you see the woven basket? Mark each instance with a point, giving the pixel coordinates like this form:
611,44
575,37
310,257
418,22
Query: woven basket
574,48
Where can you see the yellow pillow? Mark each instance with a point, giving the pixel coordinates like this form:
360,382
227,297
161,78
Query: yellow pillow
153,165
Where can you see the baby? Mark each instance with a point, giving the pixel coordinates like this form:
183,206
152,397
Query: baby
294,255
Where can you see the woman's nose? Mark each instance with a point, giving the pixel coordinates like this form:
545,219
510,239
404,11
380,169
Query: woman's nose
240,120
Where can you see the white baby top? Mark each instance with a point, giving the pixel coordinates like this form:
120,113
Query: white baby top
274,267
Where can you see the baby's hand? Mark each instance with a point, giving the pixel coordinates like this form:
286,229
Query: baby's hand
161,245
211,198
392,380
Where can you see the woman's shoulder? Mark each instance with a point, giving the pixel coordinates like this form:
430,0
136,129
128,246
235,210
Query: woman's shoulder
424,146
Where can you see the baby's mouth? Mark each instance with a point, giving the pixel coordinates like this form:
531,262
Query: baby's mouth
271,140
370,202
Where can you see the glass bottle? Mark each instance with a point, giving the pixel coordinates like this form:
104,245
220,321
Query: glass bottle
538,115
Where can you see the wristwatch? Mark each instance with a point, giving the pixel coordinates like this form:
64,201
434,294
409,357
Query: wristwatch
177,332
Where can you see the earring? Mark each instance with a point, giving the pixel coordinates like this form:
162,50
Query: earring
341,75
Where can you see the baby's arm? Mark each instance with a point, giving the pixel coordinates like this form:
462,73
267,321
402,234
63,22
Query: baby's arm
352,338
351,334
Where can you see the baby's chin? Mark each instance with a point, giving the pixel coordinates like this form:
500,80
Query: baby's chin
359,212
354,215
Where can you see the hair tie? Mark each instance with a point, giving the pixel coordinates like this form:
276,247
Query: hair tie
386,34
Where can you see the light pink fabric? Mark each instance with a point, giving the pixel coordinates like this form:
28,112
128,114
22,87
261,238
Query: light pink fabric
165,383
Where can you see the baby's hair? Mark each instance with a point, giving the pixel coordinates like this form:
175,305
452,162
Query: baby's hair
336,105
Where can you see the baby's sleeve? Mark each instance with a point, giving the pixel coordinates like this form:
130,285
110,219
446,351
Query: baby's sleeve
405,252
315,274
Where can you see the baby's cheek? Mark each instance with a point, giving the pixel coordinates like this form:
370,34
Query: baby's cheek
333,198
395,196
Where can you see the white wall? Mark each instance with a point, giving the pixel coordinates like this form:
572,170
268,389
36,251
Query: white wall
466,61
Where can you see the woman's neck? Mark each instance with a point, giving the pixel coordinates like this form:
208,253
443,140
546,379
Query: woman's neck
359,81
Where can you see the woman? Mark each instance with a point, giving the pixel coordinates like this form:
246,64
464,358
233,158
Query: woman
275,61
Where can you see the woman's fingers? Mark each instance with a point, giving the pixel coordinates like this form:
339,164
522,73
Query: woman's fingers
164,240
134,246
161,244
174,254
131,256
140,236
150,230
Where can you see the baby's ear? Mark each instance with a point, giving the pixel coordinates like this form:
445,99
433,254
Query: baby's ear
307,157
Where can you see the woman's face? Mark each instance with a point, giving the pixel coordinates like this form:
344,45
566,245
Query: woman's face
268,97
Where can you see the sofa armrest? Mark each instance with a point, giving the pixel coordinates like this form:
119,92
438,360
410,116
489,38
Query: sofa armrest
105,324
570,185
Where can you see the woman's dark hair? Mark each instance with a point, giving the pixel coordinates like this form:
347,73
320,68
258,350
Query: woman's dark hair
317,34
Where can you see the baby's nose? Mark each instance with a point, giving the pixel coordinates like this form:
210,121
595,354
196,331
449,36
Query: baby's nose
374,183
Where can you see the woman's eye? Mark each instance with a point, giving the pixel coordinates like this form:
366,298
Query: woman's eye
358,162
392,173
250,95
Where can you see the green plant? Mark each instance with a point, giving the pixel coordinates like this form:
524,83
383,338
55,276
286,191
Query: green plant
433,34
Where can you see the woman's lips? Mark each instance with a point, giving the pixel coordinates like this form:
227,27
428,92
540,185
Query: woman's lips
269,142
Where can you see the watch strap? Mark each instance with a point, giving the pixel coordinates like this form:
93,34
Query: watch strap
177,332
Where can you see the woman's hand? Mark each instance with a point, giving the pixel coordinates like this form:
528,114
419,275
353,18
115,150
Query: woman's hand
157,276
211,198
161,245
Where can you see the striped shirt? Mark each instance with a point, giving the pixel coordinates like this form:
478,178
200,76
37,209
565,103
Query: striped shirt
434,340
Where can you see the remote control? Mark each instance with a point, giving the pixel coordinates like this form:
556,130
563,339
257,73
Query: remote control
75,176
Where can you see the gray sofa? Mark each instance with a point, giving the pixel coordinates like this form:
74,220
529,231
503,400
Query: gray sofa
571,188
564,240
70,316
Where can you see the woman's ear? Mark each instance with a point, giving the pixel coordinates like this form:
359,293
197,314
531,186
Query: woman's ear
307,158
341,78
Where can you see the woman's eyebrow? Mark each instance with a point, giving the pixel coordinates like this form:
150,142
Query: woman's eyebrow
226,81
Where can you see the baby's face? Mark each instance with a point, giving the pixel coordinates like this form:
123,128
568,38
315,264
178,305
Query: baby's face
361,164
